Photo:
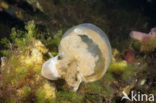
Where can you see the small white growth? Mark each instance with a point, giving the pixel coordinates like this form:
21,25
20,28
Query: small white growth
49,70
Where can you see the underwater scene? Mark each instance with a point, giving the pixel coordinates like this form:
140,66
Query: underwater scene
77,51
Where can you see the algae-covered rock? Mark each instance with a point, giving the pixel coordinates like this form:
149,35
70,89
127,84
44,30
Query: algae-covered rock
45,93
34,54
118,66
20,79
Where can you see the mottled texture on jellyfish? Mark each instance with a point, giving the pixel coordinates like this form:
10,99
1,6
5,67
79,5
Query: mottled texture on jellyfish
74,49
76,61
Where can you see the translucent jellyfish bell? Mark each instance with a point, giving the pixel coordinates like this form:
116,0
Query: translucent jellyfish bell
95,47
84,55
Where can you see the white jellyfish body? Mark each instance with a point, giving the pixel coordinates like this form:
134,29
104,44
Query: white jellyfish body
84,55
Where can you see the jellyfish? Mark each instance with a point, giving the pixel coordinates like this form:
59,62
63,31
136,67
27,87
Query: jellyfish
84,56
